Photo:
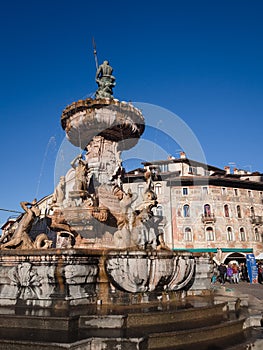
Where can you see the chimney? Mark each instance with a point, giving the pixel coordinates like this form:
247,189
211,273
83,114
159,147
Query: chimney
182,155
236,171
227,169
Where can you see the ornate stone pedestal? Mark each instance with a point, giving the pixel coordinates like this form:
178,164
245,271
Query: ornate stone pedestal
83,277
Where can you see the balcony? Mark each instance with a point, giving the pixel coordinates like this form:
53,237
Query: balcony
256,220
208,218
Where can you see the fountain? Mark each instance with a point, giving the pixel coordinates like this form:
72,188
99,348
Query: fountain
84,268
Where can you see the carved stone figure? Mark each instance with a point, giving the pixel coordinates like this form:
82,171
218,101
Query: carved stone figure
149,201
80,173
59,193
20,237
42,242
58,222
64,240
105,80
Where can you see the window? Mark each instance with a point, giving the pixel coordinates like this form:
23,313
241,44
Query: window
224,192
158,188
192,170
164,168
249,193
207,210
188,234
226,211
261,194
140,189
159,210
236,192
252,211
205,191
210,234
242,234
257,235
186,211
185,191
230,234
239,212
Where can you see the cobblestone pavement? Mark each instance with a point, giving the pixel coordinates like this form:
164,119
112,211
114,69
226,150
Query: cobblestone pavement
253,295
247,288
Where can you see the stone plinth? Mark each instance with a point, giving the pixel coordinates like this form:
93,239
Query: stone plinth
203,273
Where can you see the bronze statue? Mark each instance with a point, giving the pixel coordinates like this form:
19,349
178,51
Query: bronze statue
105,80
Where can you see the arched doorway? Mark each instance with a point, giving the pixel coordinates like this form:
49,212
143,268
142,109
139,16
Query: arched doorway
239,257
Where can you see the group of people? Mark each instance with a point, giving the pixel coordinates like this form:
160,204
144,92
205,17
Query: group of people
260,272
232,273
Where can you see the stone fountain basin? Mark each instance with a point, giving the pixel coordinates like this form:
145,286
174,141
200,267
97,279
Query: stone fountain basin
164,325
43,277
114,120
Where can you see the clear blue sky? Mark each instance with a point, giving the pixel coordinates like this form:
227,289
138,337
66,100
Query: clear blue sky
199,59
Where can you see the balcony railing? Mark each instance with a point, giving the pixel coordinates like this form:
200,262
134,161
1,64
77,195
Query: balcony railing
208,218
256,220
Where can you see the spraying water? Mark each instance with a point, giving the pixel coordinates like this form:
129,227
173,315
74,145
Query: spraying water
51,143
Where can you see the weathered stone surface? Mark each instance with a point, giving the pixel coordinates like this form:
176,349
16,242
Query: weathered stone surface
112,119
143,272
40,279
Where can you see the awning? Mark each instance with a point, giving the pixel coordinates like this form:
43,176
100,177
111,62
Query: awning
214,250
259,256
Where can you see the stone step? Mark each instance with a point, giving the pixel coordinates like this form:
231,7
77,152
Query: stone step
143,323
208,335
172,340
34,322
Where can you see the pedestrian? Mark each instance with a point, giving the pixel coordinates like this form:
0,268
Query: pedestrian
244,273
222,273
214,275
260,274
235,269
229,273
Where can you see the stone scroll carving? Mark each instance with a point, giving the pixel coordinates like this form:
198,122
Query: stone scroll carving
41,284
137,272
32,284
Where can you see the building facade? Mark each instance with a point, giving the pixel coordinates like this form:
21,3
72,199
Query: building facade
204,208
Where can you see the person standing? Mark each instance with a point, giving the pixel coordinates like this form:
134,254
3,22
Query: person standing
244,274
229,273
260,274
222,273
235,269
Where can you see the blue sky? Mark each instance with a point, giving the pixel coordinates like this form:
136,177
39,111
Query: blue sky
201,60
